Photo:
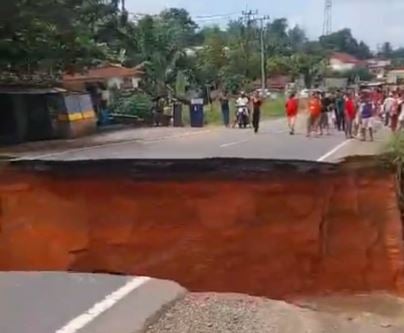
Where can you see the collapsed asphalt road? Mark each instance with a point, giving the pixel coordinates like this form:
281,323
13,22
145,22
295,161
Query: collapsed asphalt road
85,303
80,303
65,303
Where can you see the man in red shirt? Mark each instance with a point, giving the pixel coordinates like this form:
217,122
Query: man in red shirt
292,107
350,114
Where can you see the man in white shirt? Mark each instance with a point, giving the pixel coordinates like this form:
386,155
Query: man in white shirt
388,106
243,100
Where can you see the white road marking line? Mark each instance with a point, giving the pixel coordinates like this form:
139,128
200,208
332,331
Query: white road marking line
333,151
233,143
109,145
109,301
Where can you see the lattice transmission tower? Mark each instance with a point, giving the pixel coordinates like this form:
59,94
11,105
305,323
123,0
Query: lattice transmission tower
327,25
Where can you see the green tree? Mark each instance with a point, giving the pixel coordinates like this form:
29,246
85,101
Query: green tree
179,25
386,50
212,58
52,36
243,50
297,38
279,65
161,41
398,53
311,67
343,41
277,41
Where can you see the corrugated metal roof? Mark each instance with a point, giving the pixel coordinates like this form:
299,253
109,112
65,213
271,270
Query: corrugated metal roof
30,91
103,73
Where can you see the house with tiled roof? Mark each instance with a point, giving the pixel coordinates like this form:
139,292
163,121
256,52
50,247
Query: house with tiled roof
109,75
343,62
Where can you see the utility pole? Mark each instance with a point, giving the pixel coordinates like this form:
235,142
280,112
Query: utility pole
248,18
262,21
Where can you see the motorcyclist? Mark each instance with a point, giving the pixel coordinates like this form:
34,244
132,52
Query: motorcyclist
242,102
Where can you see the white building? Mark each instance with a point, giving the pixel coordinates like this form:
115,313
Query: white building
395,76
343,62
378,67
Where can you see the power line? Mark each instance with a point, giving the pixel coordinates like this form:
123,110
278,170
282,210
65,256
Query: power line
212,19
215,15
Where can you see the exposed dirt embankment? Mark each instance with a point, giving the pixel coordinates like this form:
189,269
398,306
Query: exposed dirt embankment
266,228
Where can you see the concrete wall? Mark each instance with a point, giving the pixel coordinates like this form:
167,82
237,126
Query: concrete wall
259,227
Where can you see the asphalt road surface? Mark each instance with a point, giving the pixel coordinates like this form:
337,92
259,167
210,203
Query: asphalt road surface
80,303
273,142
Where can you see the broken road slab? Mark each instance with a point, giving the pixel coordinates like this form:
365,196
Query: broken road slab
81,303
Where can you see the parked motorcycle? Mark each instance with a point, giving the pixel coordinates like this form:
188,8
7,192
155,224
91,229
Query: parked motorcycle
242,117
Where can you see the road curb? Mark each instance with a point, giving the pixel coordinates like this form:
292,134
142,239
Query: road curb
108,144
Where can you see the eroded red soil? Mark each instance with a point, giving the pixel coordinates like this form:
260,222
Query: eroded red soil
280,233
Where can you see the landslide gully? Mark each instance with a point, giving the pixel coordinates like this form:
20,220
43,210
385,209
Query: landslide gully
265,228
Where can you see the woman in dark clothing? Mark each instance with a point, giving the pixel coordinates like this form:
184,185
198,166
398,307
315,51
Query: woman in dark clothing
340,112
225,106
256,102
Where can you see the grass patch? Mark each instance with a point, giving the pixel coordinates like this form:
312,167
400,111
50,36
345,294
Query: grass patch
270,109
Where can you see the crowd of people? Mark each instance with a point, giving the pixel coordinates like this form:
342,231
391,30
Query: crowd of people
355,113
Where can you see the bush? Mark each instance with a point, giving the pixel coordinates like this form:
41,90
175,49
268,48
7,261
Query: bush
138,104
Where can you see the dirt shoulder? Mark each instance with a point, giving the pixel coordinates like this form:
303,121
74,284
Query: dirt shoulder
228,313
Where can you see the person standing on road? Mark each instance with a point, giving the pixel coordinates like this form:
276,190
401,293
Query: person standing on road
387,108
158,111
314,114
292,107
256,103
339,111
394,113
325,107
225,106
350,115
366,117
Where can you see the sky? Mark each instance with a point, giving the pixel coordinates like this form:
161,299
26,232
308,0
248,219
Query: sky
374,21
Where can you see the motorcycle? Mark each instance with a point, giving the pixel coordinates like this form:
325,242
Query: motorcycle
242,116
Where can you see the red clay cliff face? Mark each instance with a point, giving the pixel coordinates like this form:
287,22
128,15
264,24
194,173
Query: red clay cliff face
273,230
